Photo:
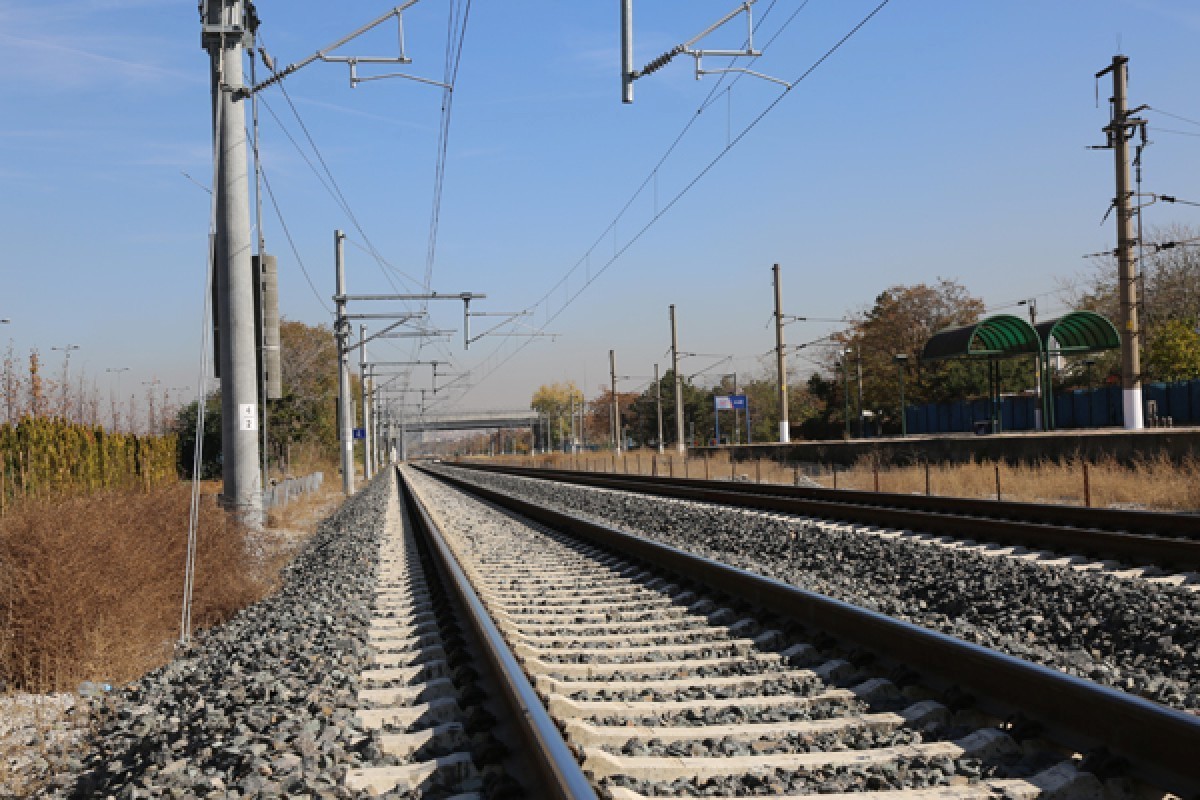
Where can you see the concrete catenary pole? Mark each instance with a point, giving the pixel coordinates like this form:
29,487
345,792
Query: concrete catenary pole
626,51
403,435
365,401
342,333
680,444
224,35
1119,131
781,362
616,412
658,402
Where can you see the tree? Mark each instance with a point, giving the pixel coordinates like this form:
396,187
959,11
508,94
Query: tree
307,412
598,416
185,430
901,321
1173,354
1169,292
557,401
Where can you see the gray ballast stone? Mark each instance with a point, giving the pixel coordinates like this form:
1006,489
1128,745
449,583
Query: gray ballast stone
1132,635
262,706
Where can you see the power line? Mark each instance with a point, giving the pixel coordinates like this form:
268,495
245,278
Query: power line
1173,116
291,242
1157,129
730,145
338,190
456,28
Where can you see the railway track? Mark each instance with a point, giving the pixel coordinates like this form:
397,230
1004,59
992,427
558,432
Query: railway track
670,674
1165,540
420,699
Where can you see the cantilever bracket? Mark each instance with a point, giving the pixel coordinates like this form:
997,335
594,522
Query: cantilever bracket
698,53
324,54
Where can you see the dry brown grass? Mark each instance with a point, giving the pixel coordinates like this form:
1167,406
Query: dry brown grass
90,587
1157,484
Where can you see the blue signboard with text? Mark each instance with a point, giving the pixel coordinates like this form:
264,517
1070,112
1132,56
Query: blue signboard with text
730,402
360,433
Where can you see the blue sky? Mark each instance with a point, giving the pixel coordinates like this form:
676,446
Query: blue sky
945,139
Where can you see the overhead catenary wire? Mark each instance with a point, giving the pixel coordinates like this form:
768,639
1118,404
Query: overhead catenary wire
456,32
1179,117
287,233
329,182
684,191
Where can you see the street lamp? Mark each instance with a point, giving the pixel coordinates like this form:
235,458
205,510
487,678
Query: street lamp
901,360
66,351
118,371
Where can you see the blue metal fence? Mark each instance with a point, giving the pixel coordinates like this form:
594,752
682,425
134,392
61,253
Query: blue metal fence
1076,408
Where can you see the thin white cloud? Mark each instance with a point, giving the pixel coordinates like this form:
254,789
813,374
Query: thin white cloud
63,62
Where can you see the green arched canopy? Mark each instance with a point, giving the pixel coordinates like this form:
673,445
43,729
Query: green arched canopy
1079,332
997,336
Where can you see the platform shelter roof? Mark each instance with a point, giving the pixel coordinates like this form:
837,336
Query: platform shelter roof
1079,332
997,336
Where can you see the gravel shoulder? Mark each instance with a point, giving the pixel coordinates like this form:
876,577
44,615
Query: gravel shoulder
1137,637
262,706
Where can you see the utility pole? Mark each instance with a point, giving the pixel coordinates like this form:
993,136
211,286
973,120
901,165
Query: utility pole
225,24
781,362
1119,131
858,367
658,401
1043,368
342,333
846,387
365,401
680,445
616,413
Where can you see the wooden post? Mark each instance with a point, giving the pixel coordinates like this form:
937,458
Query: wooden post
706,468
997,482
671,466
1087,486
875,472
687,470
927,479
758,470
835,476
796,475
732,468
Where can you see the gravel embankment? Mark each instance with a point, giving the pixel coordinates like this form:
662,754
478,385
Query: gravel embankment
1132,635
262,706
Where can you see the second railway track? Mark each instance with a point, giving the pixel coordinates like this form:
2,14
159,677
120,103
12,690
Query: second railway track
676,676
1134,537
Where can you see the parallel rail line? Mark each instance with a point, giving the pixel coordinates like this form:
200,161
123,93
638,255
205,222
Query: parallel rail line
524,600
1137,537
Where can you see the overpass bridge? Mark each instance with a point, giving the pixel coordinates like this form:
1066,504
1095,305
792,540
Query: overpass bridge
471,421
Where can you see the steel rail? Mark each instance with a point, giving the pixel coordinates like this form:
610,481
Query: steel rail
560,772
1131,536
1159,744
